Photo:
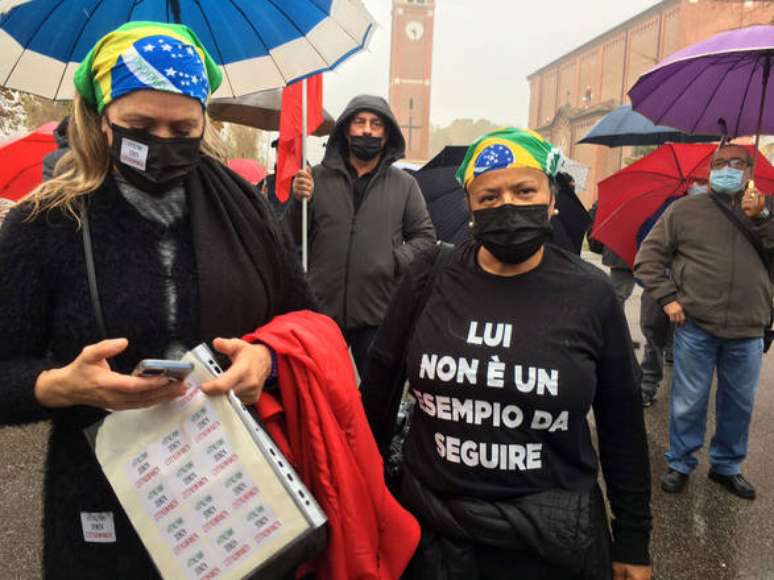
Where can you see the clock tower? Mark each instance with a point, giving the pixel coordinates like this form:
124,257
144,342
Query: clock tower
411,73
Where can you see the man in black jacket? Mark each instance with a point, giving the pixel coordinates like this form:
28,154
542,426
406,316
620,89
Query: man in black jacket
368,220
63,146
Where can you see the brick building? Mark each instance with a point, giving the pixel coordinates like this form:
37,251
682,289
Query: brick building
570,94
411,61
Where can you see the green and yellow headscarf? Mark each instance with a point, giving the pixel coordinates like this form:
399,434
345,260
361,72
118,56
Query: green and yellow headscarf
147,55
509,147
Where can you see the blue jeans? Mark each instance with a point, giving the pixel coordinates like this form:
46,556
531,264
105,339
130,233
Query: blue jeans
697,354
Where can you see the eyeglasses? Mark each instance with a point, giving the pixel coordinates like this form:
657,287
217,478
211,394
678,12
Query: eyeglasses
734,162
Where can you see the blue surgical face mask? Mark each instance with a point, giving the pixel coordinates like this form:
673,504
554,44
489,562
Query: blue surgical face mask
727,180
697,188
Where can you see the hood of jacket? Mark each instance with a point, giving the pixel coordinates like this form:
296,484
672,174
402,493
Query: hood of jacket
394,149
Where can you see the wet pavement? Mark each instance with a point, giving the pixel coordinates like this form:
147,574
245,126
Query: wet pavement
704,533
21,488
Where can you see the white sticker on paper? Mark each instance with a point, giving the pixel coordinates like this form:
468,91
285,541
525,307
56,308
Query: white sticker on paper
98,527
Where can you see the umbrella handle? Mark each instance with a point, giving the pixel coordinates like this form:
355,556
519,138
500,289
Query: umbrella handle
305,203
766,73
175,8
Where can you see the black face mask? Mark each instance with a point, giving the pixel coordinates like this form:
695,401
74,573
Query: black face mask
512,233
153,164
365,147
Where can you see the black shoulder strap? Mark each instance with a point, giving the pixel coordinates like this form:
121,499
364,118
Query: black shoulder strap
442,259
391,397
751,237
90,271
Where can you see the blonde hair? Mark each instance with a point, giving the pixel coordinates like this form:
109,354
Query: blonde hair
83,169
5,207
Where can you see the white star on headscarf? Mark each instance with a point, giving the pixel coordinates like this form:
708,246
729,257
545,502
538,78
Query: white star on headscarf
148,47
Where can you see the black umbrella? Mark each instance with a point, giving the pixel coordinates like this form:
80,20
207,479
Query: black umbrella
448,207
623,126
444,196
572,221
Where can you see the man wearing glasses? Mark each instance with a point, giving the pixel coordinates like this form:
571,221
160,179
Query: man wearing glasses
368,220
719,297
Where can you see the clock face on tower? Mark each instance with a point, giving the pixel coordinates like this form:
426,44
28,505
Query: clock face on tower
411,73
414,30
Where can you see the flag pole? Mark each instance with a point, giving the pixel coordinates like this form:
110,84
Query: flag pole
305,202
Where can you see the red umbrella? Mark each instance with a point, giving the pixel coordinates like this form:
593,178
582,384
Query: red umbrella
629,197
250,170
21,161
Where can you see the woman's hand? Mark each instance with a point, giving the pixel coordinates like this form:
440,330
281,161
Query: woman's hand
89,381
250,367
631,572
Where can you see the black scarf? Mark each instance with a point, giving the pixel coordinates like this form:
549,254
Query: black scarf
239,253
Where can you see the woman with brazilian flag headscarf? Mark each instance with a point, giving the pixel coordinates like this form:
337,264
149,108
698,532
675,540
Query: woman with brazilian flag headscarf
514,343
184,252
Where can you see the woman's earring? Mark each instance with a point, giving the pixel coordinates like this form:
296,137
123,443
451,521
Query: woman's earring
471,224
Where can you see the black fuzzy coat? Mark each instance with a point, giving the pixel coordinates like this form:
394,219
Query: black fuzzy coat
46,319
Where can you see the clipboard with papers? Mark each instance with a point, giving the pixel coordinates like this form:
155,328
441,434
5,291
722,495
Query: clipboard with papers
206,488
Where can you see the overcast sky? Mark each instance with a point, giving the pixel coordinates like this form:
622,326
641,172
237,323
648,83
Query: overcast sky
483,52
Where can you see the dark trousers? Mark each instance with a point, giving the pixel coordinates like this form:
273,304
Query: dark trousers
360,340
655,327
623,282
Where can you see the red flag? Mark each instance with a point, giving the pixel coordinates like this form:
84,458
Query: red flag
291,129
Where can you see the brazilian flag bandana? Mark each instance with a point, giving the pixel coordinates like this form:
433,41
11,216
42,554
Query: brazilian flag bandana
147,55
509,147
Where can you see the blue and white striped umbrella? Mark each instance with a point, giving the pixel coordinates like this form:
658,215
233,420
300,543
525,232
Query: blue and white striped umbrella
260,44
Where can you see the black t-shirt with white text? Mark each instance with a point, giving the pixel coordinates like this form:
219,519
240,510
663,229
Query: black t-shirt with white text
505,371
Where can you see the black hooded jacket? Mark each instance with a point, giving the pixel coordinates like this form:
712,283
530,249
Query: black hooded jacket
357,256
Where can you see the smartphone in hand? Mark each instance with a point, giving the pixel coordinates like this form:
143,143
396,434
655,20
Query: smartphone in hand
173,369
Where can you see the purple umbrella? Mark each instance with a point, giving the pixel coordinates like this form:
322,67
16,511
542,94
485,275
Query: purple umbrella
718,86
